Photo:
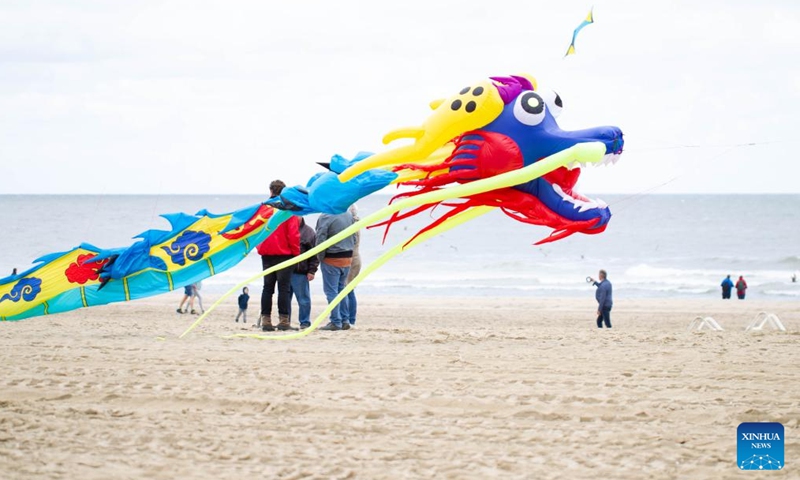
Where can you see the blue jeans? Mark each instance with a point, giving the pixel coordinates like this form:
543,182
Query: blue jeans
352,306
333,281
302,292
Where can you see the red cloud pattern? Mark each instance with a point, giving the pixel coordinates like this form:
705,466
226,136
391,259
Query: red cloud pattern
81,272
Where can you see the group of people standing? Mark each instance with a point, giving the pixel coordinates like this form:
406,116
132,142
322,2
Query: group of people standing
728,285
339,263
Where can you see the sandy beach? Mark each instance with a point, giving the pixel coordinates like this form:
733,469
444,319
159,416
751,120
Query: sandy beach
421,388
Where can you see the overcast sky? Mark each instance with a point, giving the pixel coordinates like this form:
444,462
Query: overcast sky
221,97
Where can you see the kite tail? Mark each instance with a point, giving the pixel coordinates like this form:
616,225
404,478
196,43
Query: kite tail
451,222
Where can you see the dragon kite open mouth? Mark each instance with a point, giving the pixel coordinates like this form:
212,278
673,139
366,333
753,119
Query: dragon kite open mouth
496,126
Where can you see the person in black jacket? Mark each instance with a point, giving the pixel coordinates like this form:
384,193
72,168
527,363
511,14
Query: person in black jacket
304,273
243,299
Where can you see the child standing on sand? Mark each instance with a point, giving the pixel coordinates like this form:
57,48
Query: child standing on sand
243,299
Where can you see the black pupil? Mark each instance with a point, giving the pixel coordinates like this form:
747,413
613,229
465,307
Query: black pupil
558,101
532,103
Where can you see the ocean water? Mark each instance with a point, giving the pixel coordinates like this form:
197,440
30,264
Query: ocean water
655,245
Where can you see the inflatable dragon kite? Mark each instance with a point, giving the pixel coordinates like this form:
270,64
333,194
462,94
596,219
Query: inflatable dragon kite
495,144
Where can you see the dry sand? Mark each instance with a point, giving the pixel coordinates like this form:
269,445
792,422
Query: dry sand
422,388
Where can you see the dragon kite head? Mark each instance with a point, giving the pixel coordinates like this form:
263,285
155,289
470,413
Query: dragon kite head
492,127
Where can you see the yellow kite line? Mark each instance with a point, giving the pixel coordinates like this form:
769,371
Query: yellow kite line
589,152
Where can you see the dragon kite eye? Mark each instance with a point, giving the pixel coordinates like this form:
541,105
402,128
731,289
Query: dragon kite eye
553,101
530,109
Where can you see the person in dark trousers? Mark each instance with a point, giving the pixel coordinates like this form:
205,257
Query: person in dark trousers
335,265
741,286
283,244
243,299
604,299
727,286
304,273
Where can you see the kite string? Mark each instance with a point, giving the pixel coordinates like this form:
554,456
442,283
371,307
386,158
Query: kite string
649,190
640,194
679,146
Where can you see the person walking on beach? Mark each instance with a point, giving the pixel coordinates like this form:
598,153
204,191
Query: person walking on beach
188,294
604,299
282,245
304,273
243,299
196,294
355,269
335,264
727,286
741,287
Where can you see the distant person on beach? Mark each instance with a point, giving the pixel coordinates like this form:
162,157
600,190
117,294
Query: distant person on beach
243,299
304,273
188,294
335,264
604,299
14,272
355,269
282,245
196,294
727,286
741,287
794,276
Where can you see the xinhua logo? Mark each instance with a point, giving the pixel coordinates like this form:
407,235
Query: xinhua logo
759,446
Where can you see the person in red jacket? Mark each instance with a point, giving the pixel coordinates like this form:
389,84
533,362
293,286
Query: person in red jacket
282,245
741,287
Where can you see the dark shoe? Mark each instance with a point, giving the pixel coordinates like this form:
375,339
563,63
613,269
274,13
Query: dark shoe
303,326
330,327
194,312
180,311
266,324
237,320
345,325
285,324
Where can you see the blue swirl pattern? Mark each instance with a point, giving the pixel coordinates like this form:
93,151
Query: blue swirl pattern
191,245
26,289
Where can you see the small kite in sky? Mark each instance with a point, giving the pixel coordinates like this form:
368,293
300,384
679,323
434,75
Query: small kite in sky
588,20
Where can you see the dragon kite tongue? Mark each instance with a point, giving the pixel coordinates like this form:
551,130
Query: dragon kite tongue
473,107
